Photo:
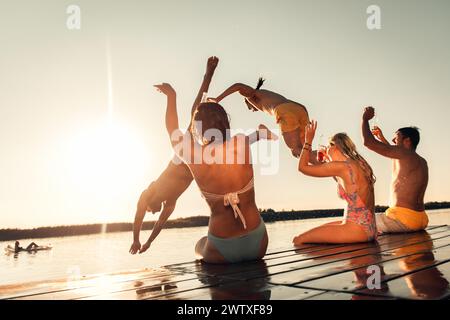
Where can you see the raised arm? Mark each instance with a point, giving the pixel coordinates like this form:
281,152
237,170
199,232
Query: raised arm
373,144
243,89
308,167
171,112
204,87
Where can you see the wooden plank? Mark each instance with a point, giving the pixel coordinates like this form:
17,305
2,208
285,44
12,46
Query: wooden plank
292,251
335,295
283,252
244,290
348,263
296,251
436,226
382,239
336,254
162,289
91,281
104,287
283,249
355,280
323,251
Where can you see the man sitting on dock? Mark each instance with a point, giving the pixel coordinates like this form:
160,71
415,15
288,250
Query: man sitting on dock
409,177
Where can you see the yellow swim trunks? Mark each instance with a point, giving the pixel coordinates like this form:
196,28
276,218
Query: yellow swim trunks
290,116
411,219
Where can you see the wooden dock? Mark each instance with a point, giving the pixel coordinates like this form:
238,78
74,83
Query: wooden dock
410,266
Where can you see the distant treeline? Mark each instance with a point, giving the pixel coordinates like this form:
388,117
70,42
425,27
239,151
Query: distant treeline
268,215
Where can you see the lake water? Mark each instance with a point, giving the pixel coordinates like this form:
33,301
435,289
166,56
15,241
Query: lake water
105,253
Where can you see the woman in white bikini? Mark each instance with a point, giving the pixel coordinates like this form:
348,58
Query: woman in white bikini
221,166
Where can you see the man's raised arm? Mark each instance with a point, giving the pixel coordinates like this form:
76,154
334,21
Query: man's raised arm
373,144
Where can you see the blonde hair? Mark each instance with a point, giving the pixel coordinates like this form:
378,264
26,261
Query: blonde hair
343,142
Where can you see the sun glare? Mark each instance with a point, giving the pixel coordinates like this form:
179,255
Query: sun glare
107,161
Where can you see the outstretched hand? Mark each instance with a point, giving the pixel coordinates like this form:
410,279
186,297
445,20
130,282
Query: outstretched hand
377,133
310,131
369,113
144,247
166,89
135,247
212,64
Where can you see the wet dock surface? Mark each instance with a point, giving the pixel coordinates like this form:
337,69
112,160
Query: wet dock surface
398,266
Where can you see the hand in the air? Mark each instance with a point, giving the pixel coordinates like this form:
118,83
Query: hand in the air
166,89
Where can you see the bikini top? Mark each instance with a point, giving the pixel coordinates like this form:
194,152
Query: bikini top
231,199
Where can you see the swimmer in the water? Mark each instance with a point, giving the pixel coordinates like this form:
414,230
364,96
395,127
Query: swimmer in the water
18,248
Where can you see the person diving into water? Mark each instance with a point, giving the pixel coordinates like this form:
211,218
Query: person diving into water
291,116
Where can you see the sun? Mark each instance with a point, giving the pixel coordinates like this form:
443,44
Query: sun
107,161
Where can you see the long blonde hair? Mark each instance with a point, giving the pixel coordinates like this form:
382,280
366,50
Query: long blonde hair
343,142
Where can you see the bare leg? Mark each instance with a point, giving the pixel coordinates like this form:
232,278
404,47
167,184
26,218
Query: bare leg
332,233
31,246
172,182
205,251
199,248
388,225
264,244
266,133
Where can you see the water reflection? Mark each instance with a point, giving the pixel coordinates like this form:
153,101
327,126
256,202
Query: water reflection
426,284
241,289
400,265
25,254
209,281
359,258
407,278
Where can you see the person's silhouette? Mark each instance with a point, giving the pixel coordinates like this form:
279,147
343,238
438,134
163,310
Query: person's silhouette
30,247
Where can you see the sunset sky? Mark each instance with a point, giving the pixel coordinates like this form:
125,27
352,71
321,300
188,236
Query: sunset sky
82,129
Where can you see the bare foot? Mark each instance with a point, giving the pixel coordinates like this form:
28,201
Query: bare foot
297,241
296,152
266,133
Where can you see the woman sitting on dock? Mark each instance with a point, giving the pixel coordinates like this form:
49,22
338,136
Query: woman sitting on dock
222,168
355,185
